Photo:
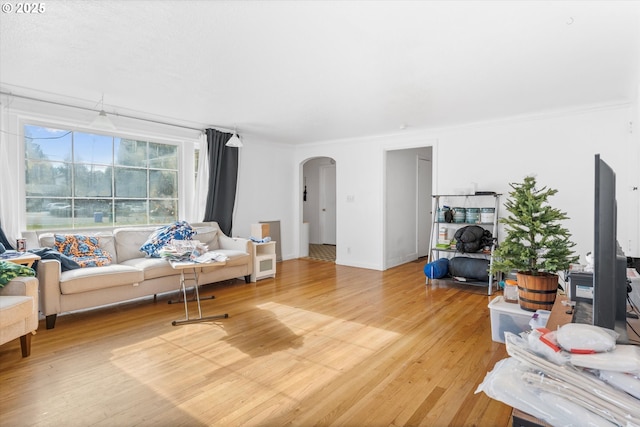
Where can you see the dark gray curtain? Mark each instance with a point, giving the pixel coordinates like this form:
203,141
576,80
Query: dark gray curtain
223,179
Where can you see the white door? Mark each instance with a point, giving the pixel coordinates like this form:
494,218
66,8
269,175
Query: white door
328,204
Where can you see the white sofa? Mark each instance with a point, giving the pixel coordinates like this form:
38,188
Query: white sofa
131,274
19,311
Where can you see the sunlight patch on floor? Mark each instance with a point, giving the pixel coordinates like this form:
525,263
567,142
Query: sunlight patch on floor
269,346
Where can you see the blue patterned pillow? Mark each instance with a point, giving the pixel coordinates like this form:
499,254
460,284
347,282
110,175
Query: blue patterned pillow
180,230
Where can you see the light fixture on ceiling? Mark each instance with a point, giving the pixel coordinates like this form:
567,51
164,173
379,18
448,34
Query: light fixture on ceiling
102,121
234,141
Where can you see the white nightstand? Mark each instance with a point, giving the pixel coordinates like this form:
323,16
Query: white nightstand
264,260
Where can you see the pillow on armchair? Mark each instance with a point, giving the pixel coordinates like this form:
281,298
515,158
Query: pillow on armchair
85,250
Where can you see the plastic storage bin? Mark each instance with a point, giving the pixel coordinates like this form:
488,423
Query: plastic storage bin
507,317
539,319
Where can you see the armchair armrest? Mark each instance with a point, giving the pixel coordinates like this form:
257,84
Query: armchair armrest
21,286
20,324
49,277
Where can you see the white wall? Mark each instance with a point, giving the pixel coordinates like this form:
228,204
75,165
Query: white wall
266,188
359,177
360,193
558,147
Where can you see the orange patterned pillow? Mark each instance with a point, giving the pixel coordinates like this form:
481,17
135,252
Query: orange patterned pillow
85,250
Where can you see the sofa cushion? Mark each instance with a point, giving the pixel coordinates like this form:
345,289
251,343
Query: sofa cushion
15,308
107,243
207,236
179,230
84,249
89,279
128,241
152,267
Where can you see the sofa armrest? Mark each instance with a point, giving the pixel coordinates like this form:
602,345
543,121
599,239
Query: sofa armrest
49,277
21,286
234,243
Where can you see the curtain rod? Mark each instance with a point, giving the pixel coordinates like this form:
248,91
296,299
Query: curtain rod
113,114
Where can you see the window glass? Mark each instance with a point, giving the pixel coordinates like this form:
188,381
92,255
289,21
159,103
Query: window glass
130,153
89,148
75,179
131,182
163,156
47,143
91,180
44,178
163,184
43,213
60,212
131,211
162,211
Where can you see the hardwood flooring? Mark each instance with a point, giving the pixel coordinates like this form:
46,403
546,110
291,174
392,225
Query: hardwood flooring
319,345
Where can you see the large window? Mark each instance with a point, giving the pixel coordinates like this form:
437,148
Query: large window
75,179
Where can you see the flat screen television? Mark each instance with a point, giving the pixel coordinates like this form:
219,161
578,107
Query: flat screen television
610,263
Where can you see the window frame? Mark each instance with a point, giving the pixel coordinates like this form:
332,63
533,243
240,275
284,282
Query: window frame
185,151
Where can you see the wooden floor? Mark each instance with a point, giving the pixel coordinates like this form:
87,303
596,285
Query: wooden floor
321,345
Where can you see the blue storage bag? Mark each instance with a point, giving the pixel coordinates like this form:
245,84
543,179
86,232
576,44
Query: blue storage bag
437,269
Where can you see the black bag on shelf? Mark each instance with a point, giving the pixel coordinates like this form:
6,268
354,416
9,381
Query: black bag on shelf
472,238
470,268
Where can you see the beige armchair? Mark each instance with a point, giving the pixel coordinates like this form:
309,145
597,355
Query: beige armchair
19,312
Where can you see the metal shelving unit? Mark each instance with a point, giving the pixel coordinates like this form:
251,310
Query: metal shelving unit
465,200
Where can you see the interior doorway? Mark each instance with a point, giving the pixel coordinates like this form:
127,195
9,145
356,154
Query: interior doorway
319,205
408,190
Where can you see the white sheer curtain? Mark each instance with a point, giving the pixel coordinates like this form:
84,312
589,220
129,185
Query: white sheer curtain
202,182
10,203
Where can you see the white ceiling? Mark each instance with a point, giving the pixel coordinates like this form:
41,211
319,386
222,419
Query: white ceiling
297,72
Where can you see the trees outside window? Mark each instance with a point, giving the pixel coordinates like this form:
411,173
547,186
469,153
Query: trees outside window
75,179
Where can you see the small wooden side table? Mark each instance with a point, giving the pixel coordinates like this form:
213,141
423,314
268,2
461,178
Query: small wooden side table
264,260
26,258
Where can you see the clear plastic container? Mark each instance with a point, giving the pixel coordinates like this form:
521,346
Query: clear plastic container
510,291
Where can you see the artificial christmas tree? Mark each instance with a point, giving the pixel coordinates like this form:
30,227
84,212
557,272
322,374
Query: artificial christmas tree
536,246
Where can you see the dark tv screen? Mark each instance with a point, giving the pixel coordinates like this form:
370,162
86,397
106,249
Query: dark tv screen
609,275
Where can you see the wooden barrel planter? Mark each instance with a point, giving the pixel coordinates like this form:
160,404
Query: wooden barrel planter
537,292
